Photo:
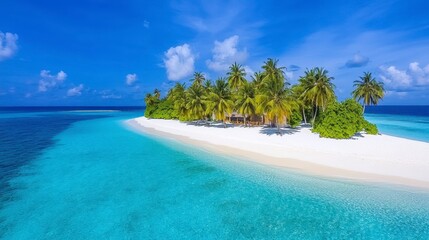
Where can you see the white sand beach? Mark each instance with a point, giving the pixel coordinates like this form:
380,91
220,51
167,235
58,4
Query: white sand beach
375,158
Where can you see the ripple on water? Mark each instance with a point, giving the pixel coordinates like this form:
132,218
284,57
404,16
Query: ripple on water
120,185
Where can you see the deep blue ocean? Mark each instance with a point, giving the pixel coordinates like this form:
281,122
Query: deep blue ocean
74,173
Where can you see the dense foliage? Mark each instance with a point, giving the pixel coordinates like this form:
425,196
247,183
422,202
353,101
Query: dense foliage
296,118
342,121
269,99
370,128
162,109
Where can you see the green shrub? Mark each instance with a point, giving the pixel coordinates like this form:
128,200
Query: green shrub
161,110
295,118
149,110
340,120
370,128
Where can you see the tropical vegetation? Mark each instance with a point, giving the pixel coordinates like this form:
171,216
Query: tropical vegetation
368,90
269,99
343,120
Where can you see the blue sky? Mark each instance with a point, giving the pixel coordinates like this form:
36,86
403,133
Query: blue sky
100,52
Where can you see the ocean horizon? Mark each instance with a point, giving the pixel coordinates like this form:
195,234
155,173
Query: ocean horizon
67,172
391,120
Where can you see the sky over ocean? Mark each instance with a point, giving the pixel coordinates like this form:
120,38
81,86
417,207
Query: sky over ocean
113,52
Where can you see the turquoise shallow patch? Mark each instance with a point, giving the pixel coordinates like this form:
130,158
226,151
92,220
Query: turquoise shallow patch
411,127
102,181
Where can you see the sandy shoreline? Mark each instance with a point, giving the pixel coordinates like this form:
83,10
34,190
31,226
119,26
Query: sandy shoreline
380,158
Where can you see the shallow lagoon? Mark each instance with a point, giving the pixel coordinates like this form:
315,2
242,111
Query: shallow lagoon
100,180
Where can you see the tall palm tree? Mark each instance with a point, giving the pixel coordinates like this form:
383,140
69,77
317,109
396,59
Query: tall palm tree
246,102
275,102
257,79
236,76
368,89
318,88
207,85
198,79
305,83
178,96
195,105
219,101
273,97
272,72
297,91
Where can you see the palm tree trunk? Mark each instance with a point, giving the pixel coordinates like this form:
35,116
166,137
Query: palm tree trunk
245,116
315,114
303,114
278,126
363,108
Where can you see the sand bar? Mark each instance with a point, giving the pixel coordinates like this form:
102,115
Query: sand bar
375,158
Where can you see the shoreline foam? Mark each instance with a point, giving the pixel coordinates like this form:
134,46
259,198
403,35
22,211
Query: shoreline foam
369,158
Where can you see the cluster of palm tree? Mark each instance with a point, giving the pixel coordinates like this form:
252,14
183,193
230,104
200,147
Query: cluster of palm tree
268,95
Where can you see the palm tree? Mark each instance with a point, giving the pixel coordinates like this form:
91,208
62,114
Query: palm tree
236,76
207,84
246,102
149,99
178,96
219,101
198,79
368,89
176,91
157,93
297,92
274,99
257,80
195,102
272,72
318,88
305,83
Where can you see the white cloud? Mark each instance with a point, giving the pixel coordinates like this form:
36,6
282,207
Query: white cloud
249,71
405,80
394,77
395,93
226,53
421,75
146,24
109,94
76,91
130,79
179,62
357,61
61,76
49,81
8,45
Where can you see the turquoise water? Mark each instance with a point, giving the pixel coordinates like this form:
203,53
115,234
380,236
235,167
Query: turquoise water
100,180
406,126
405,121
